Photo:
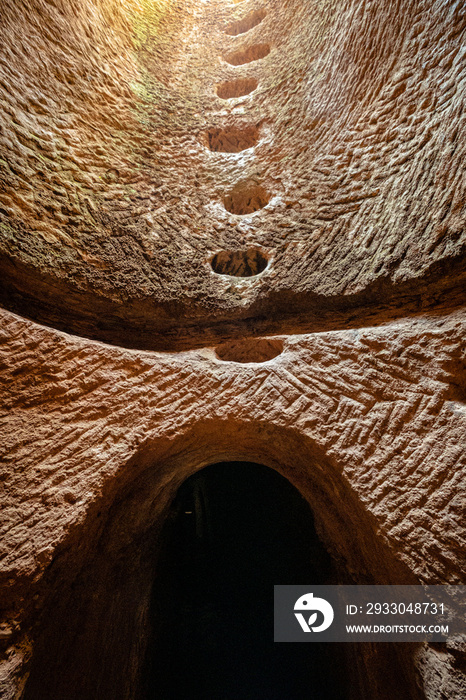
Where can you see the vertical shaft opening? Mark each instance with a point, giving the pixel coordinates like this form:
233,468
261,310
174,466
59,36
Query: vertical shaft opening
234,530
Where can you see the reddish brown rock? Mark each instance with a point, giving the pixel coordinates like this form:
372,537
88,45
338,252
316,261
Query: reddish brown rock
272,275
112,205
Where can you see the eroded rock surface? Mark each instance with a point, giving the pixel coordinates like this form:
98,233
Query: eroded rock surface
277,277
112,203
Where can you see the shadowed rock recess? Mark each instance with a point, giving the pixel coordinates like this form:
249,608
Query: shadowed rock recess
232,139
240,263
246,198
236,88
231,233
252,53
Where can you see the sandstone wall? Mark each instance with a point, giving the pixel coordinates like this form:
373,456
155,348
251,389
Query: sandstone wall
113,202
134,176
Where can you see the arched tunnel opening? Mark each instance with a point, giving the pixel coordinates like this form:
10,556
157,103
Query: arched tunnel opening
214,245
234,530
169,594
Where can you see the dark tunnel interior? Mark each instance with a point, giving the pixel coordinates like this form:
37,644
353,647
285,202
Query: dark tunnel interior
234,530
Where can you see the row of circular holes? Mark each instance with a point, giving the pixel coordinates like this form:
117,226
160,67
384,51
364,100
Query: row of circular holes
243,200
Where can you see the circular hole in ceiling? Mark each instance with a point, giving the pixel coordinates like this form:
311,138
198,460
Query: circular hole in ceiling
244,25
250,350
252,53
240,263
236,88
245,198
232,139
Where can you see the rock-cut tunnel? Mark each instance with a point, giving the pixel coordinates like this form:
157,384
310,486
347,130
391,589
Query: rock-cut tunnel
229,230
234,530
